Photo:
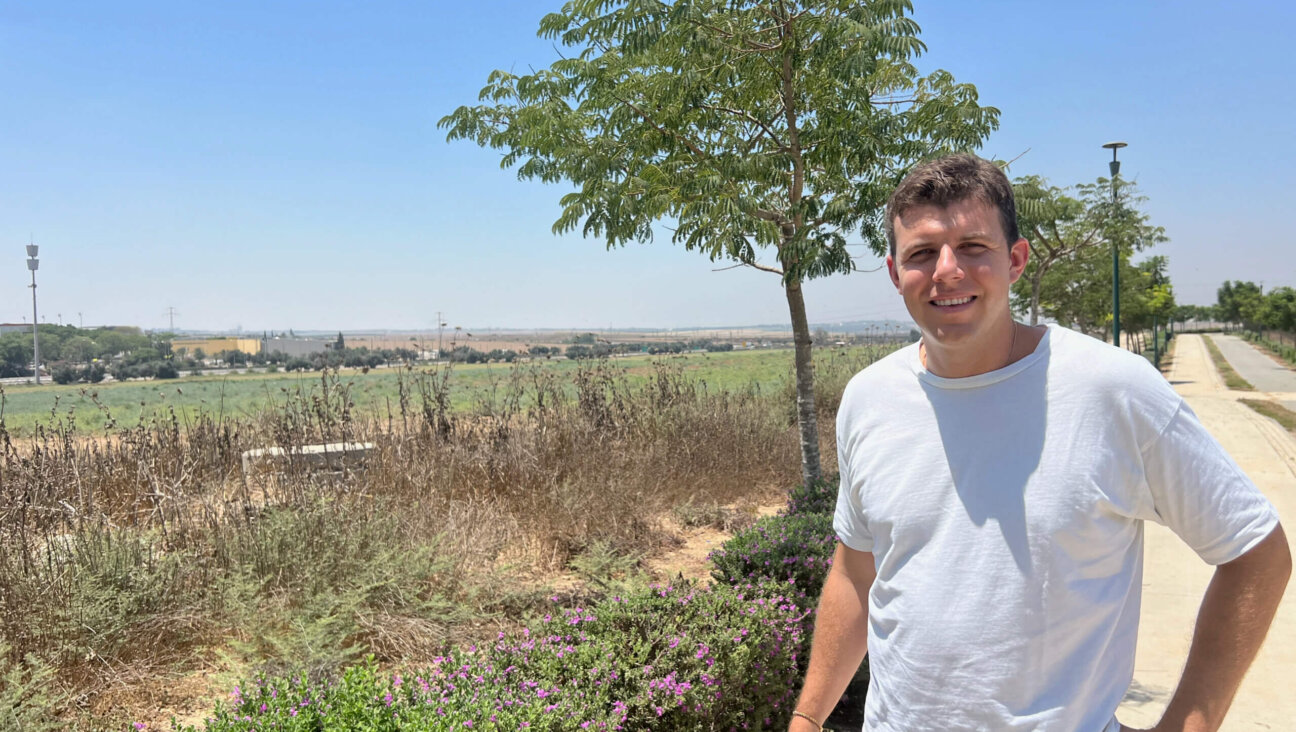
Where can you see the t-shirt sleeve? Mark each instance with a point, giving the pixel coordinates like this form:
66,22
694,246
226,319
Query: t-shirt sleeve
1201,494
849,521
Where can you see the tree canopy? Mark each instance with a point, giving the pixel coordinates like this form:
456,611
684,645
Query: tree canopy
1069,276
1247,303
741,125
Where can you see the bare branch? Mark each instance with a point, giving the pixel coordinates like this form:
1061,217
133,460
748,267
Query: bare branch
1019,157
860,269
753,265
765,268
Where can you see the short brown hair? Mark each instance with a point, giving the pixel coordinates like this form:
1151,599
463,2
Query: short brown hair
949,180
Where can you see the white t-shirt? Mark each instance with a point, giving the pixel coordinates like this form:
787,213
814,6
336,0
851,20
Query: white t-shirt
1005,515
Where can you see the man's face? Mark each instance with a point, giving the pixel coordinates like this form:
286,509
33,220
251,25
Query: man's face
953,266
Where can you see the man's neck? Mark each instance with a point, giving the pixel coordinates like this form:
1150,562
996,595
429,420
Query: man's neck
1006,345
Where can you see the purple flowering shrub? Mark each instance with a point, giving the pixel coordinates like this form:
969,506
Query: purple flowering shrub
675,657
796,549
819,496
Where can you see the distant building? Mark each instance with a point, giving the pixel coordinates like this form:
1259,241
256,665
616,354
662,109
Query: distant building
14,328
212,346
295,347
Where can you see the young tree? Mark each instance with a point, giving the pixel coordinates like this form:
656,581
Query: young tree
1240,301
1063,229
746,125
1279,310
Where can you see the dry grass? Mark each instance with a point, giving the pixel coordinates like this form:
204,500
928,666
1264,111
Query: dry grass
146,555
1231,378
1275,411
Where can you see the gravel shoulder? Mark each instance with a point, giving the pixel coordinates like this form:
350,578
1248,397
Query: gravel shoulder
1175,578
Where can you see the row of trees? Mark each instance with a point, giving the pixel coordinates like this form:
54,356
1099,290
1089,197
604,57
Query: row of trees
1247,303
1069,277
81,347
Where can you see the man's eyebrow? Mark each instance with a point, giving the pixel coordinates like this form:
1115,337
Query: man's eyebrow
978,235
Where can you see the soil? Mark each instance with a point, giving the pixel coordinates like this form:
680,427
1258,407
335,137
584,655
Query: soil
688,559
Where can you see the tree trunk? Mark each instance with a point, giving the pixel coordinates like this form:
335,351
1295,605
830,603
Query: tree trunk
811,470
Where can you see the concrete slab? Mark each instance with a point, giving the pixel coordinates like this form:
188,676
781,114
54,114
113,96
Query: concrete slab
329,456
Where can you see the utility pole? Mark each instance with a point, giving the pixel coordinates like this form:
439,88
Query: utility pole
80,321
171,313
33,264
440,325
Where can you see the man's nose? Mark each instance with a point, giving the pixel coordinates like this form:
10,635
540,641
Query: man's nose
947,265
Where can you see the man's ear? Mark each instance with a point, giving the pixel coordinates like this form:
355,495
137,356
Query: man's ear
1019,255
891,270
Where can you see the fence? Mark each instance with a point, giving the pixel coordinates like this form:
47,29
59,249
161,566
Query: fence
1285,338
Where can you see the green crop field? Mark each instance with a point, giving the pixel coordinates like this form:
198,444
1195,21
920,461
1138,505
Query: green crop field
376,393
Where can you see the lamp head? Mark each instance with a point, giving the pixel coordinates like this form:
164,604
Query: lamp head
1115,164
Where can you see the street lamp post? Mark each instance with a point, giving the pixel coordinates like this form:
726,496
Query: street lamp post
33,264
1115,171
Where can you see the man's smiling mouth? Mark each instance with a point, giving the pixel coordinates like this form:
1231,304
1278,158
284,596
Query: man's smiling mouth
953,301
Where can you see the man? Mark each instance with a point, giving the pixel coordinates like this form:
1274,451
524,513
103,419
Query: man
994,483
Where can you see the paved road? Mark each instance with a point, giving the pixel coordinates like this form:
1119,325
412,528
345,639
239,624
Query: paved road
1263,372
1175,579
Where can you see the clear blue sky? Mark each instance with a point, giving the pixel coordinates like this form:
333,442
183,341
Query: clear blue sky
277,165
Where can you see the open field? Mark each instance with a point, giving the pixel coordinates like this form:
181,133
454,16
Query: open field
141,573
520,340
374,393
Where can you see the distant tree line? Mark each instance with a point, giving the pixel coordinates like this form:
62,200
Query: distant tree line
82,354
1247,303
603,349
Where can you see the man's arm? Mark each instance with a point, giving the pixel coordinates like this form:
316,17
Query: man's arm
840,635
1235,615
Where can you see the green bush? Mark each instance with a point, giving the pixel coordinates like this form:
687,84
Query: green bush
819,496
65,373
27,701
309,584
796,549
677,657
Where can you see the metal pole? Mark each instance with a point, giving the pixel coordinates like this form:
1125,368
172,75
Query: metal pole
1115,172
33,264
35,336
1156,346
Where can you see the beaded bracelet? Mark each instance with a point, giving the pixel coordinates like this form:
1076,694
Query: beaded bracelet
809,719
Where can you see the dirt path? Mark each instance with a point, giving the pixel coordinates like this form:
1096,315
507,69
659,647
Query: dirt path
1175,578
